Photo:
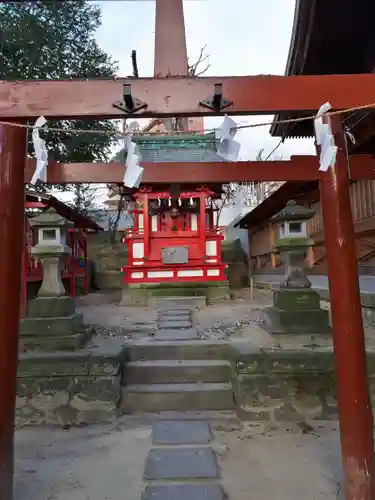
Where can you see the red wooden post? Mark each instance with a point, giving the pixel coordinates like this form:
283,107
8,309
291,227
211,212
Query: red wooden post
146,226
202,222
12,164
355,414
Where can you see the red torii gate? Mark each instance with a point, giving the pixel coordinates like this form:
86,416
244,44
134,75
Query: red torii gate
178,95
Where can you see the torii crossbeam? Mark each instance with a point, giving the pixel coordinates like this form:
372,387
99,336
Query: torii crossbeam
178,95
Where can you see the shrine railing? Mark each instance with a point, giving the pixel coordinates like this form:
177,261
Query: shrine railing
74,267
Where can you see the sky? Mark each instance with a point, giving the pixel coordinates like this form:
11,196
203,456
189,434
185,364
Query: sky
242,37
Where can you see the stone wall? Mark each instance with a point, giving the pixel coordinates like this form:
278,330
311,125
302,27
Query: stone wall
296,385
67,388
367,301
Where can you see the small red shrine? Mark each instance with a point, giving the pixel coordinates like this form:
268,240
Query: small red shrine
174,237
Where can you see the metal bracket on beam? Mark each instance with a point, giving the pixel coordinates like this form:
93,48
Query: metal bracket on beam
217,102
129,104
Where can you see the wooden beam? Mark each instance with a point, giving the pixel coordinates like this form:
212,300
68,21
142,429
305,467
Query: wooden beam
298,168
181,96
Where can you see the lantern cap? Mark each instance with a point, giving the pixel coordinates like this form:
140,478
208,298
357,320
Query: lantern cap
292,211
50,218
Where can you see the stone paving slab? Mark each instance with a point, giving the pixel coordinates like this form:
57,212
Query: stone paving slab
181,463
181,432
176,334
184,492
174,324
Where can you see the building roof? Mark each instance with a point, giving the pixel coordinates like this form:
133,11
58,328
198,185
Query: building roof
174,148
276,202
328,37
80,221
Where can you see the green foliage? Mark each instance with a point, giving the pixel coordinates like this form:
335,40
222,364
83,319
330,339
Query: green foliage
47,40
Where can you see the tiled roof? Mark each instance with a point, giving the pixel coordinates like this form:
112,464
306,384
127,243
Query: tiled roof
186,147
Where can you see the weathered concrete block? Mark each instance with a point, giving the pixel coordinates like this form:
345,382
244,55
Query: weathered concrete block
175,323
184,492
177,371
177,397
57,326
181,432
181,463
51,307
170,334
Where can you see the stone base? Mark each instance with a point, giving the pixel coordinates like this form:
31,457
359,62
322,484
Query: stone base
64,333
296,311
68,388
57,342
296,322
51,307
139,294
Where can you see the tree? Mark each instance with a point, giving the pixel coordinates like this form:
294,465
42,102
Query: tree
46,40
84,198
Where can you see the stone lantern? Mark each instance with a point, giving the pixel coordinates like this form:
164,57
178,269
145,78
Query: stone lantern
52,322
293,242
296,307
51,249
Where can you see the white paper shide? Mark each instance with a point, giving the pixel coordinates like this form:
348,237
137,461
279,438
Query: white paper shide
325,139
41,153
228,148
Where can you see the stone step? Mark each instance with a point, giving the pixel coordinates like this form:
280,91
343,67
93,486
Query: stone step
149,349
176,371
200,491
170,334
176,464
176,397
182,311
176,302
174,323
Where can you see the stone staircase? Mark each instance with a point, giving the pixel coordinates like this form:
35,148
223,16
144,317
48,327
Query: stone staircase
175,370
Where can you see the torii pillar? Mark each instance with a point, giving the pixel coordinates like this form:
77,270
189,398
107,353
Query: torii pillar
354,405
12,165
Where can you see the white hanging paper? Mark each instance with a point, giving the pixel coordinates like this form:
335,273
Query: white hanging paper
140,174
227,129
41,152
321,128
328,158
130,153
127,141
133,172
229,149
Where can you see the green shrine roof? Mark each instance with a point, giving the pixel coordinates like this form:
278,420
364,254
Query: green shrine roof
174,148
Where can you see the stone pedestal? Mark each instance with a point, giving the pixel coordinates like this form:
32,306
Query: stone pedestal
52,323
297,310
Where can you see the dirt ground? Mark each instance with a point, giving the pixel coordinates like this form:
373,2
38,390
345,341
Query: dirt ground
107,462
221,321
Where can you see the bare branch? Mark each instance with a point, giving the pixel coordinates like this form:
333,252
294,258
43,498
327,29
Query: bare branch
193,69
